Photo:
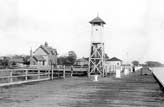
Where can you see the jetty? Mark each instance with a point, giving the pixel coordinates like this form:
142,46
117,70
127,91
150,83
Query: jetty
137,89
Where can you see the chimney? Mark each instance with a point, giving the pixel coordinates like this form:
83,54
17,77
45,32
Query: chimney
46,44
31,53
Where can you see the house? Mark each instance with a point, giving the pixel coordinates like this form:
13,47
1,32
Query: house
37,60
112,64
114,61
82,62
44,55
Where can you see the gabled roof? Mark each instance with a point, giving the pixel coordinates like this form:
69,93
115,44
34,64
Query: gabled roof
81,60
39,58
52,51
47,49
114,59
97,20
44,49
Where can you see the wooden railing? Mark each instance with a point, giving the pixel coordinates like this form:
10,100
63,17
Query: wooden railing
19,76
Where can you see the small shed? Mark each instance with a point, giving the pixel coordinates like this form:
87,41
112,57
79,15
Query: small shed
112,64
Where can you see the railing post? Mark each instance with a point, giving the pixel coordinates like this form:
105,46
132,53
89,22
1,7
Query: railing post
49,74
38,74
52,73
26,75
11,76
64,72
89,76
71,71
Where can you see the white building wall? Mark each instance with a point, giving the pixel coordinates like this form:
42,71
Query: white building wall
97,33
111,66
46,60
41,52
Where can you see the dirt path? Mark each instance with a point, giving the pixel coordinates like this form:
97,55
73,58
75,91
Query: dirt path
131,91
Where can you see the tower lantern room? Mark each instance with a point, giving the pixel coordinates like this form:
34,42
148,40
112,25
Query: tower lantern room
96,58
97,25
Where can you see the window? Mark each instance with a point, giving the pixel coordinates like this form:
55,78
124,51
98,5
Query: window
118,63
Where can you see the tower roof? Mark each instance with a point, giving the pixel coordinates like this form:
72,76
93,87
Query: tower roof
97,20
114,59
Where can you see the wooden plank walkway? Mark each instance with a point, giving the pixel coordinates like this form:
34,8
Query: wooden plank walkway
131,91
134,90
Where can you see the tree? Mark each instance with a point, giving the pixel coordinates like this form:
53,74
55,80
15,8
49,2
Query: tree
67,60
5,62
153,63
106,57
26,60
1,62
135,63
71,57
61,60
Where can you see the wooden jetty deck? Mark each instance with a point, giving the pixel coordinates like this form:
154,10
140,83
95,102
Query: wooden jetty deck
134,90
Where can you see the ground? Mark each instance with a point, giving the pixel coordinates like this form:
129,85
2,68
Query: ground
134,90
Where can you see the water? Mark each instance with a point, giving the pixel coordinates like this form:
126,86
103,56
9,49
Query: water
159,73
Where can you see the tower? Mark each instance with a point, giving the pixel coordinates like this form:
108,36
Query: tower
96,58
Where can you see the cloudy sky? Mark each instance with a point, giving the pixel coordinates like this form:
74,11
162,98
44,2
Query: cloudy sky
134,29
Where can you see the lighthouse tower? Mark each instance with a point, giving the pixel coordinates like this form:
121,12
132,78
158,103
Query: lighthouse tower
96,58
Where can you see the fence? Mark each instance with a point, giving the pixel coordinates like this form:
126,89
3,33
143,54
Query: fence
19,76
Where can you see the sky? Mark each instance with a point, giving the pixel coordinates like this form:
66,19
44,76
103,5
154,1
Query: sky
134,29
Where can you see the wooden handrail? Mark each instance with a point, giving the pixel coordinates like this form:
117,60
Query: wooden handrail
11,74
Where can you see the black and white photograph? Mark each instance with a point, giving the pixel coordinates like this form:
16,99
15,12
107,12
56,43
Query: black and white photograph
81,53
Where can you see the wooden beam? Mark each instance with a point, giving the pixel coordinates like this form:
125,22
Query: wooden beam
38,74
64,72
26,73
11,76
71,71
52,73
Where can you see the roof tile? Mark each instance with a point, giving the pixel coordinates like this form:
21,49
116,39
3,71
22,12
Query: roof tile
97,20
114,59
39,58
